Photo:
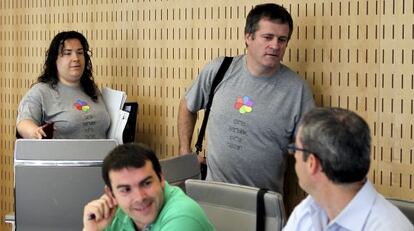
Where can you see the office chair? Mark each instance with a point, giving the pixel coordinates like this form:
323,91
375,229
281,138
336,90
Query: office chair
10,219
233,207
406,207
54,179
177,169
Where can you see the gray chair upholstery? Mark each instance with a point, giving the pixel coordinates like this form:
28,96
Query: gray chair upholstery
177,169
233,207
54,179
406,207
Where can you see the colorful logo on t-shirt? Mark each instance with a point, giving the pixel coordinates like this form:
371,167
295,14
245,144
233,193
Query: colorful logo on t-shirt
244,104
81,105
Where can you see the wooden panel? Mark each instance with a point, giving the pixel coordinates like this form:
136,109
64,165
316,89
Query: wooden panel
394,174
354,54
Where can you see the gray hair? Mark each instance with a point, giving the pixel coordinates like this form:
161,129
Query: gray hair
341,140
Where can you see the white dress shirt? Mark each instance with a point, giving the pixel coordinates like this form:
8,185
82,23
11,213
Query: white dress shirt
368,210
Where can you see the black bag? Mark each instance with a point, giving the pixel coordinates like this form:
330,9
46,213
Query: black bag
217,79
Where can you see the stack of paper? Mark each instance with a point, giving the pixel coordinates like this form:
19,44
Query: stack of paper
114,102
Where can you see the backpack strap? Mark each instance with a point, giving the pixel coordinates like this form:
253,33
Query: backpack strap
217,79
260,210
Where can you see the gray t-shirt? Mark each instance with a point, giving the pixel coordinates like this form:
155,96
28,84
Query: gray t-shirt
252,120
75,114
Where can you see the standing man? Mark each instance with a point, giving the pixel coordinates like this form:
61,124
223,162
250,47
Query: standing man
138,198
332,152
256,107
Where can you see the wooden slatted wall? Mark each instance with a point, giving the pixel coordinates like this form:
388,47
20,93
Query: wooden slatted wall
355,54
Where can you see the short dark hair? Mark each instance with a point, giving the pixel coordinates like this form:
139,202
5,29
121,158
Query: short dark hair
270,11
50,72
129,155
341,140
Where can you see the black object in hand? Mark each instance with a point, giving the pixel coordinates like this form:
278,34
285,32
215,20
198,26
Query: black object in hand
48,129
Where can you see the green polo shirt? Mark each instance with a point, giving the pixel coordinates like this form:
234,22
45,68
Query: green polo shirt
179,212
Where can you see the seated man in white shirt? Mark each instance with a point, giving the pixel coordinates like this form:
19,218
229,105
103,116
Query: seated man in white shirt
332,153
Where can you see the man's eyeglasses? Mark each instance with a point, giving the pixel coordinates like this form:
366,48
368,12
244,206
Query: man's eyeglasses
291,149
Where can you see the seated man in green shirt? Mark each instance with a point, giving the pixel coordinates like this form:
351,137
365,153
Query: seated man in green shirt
138,198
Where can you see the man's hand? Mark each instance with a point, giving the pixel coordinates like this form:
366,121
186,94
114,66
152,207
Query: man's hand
98,214
201,159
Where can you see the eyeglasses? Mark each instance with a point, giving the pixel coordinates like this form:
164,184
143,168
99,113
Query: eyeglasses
291,149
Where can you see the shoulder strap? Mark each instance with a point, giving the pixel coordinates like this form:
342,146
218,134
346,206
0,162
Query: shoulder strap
217,79
260,210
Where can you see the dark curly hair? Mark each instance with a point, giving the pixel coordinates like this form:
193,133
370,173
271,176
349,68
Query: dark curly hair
50,73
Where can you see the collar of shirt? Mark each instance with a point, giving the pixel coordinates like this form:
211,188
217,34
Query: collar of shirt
355,214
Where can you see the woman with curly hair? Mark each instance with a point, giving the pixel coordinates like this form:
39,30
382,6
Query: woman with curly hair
65,95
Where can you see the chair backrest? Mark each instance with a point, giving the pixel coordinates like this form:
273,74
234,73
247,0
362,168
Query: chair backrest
54,179
177,169
233,207
406,207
